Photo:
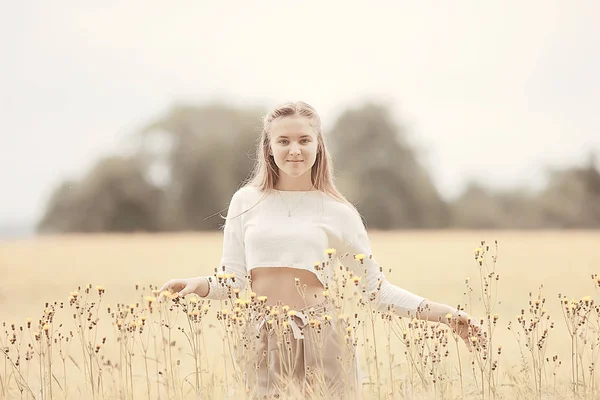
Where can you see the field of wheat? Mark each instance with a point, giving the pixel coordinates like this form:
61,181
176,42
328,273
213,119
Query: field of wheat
80,318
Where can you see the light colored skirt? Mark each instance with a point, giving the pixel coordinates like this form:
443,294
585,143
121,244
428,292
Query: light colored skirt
312,355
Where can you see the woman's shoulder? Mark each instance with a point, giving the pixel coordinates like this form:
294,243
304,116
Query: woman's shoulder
341,210
247,195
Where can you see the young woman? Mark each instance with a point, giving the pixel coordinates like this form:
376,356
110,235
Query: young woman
279,226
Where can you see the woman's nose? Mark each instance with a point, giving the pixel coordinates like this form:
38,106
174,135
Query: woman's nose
294,150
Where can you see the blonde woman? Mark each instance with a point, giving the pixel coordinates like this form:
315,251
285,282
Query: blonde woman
278,225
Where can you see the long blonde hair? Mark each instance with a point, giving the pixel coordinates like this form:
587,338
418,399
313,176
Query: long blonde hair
264,174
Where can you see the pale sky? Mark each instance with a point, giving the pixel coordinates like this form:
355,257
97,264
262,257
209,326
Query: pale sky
496,91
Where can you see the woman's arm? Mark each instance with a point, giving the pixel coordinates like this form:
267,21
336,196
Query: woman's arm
388,297
232,271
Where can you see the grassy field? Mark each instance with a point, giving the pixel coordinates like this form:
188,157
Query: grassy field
432,264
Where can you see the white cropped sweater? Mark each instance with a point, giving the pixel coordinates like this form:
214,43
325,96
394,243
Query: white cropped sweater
259,232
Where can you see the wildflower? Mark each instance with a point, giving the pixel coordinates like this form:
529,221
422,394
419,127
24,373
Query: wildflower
330,252
285,308
252,295
193,300
327,317
349,329
206,307
326,293
225,311
449,316
359,257
473,339
150,299
286,324
46,327
314,323
586,299
480,259
166,294
100,289
262,298
477,250
291,313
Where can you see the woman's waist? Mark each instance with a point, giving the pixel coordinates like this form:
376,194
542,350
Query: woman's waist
282,285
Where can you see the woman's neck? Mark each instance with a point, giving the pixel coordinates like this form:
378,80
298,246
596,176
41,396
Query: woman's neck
299,184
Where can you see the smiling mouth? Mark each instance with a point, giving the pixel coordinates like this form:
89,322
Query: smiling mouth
296,161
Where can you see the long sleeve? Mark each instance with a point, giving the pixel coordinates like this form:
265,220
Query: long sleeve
387,295
232,271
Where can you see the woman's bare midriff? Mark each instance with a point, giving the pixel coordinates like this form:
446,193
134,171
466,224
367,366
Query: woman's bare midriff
279,285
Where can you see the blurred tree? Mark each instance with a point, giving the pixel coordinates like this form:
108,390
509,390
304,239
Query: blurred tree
188,163
572,197
380,172
479,207
211,151
113,197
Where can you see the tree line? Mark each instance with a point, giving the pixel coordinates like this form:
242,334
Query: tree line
187,164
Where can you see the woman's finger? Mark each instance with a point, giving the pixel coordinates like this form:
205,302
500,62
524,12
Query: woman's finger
185,291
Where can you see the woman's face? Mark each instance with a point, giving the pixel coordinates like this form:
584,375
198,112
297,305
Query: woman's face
293,145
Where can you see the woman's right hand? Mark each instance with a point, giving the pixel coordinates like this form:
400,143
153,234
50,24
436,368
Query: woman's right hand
186,286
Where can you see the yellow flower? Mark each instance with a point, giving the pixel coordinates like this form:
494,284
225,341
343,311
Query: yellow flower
449,315
356,279
46,327
477,250
326,293
473,339
327,317
252,295
586,299
206,307
330,251
193,300
262,298
225,311
150,299
291,313
480,259
359,257
285,308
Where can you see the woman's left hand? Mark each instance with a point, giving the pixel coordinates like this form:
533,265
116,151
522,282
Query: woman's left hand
466,327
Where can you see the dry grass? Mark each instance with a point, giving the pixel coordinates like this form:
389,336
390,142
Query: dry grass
433,264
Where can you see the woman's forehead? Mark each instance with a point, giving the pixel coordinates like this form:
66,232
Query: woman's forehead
295,126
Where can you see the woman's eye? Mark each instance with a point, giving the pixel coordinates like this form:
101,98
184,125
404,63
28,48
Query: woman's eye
283,142
304,141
